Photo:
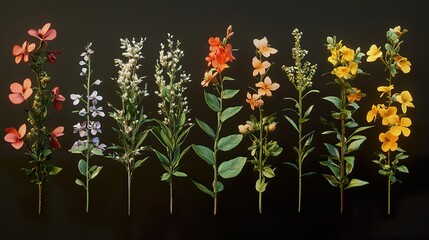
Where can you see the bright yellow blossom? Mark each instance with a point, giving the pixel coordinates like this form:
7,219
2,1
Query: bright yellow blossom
353,66
373,53
389,141
386,112
342,72
399,125
372,114
403,64
347,54
385,89
334,57
405,99
355,95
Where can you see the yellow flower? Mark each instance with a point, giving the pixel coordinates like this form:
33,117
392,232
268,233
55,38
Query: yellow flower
385,113
372,114
353,66
403,64
398,31
342,72
405,99
263,46
348,54
389,141
260,67
334,57
355,95
399,125
385,89
373,53
265,87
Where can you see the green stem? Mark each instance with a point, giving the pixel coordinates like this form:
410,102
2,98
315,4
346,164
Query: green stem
260,167
388,185
300,148
171,197
129,176
88,146
219,127
342,142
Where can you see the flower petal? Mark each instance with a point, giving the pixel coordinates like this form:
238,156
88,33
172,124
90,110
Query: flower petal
51,35
18,144
22,130
16,98
45,29
33,33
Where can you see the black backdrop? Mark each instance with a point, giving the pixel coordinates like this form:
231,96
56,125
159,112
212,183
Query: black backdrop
358,23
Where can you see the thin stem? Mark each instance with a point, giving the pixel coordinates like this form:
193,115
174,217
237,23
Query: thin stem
300,147
40,199
388,185
260,167
171,197
343,133
88,146
219,127
129,175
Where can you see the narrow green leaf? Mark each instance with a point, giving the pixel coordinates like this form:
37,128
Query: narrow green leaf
332,180
226,78
309,92
203,188
356,183
205,153
308,151
402,168
309,109
229,93
54,170
139,162
79,182
291,123
162,158
180,174
328,132
212,101
334,100
332,150
165,177
229,142
231,168
207,129
292,165
229,112
360,129
308,174
82,167
292,99
96,172
353,146
332,166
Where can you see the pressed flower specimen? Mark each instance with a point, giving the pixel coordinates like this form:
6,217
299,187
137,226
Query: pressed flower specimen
129,116
40,140
345,62
396,123
258,127
218,59
89,144
173,129
301,76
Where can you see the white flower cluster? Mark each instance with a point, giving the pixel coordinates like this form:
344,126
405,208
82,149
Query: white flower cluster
301,75
167,69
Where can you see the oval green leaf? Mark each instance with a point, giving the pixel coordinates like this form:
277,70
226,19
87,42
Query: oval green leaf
231,168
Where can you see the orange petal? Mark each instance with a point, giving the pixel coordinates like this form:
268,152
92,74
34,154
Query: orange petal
33,33
51,34
27,84
58,131
16,50
18,144
274,86
45,29
18,58
31,47
16,98
11,137
16,88
22,130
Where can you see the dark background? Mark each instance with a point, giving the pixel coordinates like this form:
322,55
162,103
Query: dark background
358,23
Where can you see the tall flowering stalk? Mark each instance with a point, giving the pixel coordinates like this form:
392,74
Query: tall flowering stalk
41,140
301,76
89,145
397,124
219,57
174,127
345,61
258,128
130,117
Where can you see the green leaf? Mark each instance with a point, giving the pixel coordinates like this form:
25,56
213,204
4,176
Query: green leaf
351,124
333,167
333,150
80,149
205,153
97,151
180,174
402,168
54,170
291,164
311,91
203,188
206,128
268,172
292,99
82,167
229,112
308,151
360,129
212,101
334,100
356,183
350,162
328,132
231,168
309,109
332,180
229,142
79,182
96,172
47,152
226,78
261,185
139,162
291,122
308,174
229,93
162,158
219,186
353,146
165,177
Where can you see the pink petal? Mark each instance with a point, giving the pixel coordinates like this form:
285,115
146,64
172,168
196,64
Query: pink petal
18,59
33,33
11,138
27,93
57,132
27,84
16,98
60,98
22,130
44,29
51,35
16,50
16,88
18,145
56,90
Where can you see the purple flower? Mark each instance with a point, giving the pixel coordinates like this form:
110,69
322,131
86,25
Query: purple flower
94,97
76,98
79,143
96,111
97,144
95,127
81,129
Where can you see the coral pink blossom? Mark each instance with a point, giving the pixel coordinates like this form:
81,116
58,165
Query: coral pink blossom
20,52
44,34
15,137
58,98
53,141
20,93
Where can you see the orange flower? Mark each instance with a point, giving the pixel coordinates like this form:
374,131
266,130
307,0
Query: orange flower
400,125
20,93
214,43
372,114
15,137
260,67
209,77
265,87
385,89
403,64
385,113
263,47
221,57
44,34
22,52
405,99
254,100
53,141
355,95
389,141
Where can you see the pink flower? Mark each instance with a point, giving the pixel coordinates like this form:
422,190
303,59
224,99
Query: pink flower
44,34
53,141
15,137
22,52
52,58
58,98
20,93
263,46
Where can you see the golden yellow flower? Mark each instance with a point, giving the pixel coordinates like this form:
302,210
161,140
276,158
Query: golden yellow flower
385,89
373,53
386,112
405,99
353,66
389,141
403,64
334,57
399,125
372,114
342,72
347,54
355,95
